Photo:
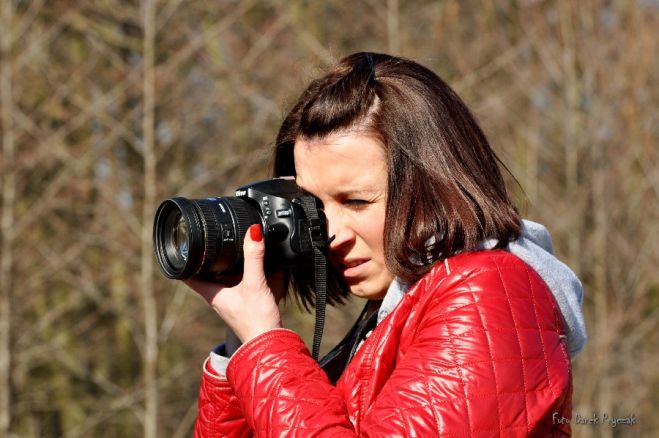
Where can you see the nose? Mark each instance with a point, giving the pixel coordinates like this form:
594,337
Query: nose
339,230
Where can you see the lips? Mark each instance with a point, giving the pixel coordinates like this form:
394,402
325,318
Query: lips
352,267
353,263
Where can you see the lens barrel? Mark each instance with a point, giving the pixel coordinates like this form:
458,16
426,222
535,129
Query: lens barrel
202,236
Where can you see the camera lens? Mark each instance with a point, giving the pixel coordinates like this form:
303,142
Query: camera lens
201,236
180,238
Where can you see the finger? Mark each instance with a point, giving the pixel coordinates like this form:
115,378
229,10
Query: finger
229,280
206,289
254,252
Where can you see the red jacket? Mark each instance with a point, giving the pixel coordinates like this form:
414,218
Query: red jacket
474,348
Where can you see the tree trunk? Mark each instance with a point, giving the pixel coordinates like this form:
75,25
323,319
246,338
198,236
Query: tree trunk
147,287
7,221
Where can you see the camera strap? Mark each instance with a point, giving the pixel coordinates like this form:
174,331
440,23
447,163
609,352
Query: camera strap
317,233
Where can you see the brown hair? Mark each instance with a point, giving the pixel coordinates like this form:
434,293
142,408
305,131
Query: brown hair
434,147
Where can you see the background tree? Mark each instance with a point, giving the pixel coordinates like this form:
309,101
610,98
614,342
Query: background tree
108,107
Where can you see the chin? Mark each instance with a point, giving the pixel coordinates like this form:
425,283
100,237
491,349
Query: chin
369,293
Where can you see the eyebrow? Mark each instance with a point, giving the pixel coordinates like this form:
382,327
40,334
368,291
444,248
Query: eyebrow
357,192
348,192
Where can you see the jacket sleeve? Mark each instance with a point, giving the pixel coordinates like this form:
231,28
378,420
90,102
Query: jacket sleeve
486,358
219,412
283,391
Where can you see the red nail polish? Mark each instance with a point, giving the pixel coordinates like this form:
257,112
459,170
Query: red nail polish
255,233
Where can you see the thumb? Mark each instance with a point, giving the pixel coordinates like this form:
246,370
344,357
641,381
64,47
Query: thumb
254,253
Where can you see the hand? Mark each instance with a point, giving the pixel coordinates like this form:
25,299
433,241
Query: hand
249,308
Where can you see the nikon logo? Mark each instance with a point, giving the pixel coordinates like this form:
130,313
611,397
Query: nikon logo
241,192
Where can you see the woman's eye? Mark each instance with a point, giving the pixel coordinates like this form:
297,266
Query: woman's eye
356,202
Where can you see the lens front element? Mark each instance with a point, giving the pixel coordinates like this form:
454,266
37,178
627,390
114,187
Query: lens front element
181,239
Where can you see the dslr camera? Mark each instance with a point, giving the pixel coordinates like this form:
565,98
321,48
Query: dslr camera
204,237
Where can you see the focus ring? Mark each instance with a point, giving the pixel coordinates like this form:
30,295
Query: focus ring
211,230
241,209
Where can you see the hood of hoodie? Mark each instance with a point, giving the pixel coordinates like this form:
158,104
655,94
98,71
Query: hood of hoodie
534,247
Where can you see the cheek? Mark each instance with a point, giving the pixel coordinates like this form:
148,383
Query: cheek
373,233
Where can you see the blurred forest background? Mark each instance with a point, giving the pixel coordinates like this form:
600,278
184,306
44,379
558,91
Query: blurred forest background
108,107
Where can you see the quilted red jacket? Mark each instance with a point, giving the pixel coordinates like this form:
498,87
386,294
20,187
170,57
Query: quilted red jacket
474,348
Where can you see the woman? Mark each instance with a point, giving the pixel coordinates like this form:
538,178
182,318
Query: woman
470,309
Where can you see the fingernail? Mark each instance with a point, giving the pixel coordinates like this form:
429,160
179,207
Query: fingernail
255,233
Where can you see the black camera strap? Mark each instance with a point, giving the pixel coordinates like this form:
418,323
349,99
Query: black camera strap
317,234
336,361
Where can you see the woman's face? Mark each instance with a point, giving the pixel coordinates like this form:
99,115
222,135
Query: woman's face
348,173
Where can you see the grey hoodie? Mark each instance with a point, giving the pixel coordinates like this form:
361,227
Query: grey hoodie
535,248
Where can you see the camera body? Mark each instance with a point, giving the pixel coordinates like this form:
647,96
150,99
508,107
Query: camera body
204,237
286,228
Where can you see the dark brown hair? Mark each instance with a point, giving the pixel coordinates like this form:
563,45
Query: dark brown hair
435,150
